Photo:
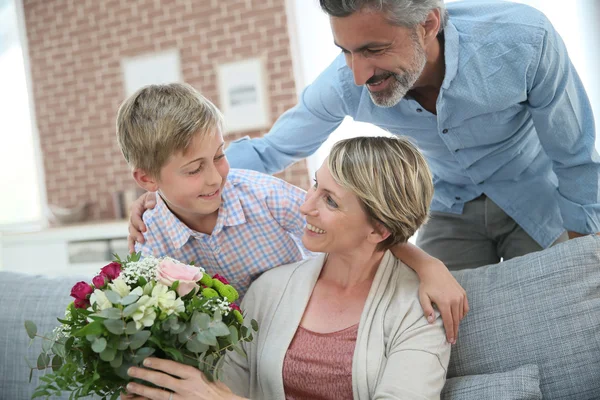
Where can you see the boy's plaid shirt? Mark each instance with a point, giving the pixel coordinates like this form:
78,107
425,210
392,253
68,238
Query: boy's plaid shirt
259,227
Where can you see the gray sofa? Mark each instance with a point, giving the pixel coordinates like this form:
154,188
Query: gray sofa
533,329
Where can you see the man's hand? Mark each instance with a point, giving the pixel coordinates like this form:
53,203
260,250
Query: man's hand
145,202
439,287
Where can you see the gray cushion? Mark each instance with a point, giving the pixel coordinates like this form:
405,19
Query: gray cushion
522,383
36,298
543,309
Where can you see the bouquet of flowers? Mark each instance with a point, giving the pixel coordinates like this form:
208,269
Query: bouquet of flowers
134,309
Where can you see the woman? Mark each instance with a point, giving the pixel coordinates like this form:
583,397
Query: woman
348,323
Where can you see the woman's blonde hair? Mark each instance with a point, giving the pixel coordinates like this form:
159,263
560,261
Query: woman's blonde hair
158,121
391,179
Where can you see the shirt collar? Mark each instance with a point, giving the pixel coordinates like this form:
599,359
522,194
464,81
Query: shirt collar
451,49
231,213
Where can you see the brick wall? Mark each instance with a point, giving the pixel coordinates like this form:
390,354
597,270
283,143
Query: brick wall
75,50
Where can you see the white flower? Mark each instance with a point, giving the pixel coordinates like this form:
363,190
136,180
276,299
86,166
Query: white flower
98,297
145,315
120,286
166,300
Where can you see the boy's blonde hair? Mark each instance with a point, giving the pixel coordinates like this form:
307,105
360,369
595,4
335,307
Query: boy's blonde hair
158,121
391,179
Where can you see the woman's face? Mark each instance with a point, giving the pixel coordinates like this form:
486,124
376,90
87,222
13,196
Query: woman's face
335,219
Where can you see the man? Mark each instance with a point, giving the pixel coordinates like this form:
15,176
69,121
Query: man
487,92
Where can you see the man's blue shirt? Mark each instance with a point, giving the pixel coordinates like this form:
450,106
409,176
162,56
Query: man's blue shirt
513,121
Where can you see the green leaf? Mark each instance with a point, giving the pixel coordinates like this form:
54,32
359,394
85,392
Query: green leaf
233,335
47,345
139,339
117,361
111,313
200,321
196,347
99,345
59,349
93,328
174,353
254,325
69,344
113,297
123,343
57,362
244,331
127,300
130,328
31,329
30,374
142,354
115,326
175,285
43,361
207,337
238,349
130,309
219,329
217,316
108,354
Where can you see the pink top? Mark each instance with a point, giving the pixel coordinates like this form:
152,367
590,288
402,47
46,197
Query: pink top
319,365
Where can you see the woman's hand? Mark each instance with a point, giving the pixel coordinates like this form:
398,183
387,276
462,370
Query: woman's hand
179,382
145,202
439,286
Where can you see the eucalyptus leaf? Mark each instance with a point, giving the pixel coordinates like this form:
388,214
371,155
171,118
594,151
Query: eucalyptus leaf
130,328
43,361
207,337
219,329
117,361
195,346
99,345
31,329
238,349
57,362
233,335
127,300
217,316
174,353
111,313
200,321
130,309
115,326
113,297
142,354
59,349
254,325
108,354
47,345
139,339
124,343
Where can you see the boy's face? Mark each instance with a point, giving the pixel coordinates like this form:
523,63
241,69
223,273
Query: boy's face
191,183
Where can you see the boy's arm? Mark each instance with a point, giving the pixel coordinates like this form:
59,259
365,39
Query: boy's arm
437,286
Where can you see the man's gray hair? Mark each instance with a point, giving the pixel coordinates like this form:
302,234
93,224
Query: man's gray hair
408,13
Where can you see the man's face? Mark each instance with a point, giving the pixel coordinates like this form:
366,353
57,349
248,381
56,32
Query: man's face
388,59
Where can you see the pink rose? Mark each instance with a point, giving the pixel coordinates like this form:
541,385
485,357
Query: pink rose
81,290
79,303
99,281
221,278
235,307
111,271
170,271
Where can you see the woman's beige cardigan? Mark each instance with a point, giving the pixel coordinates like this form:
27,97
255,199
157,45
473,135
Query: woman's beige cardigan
398,355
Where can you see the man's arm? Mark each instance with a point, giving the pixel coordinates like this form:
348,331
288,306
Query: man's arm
565,125
297,133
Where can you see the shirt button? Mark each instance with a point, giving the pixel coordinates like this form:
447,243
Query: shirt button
419,110
457,150
445,131
457,198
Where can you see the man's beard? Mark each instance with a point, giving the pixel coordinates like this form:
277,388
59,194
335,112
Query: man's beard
402,83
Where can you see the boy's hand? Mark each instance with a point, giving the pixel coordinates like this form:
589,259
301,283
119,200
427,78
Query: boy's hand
439,286
145,202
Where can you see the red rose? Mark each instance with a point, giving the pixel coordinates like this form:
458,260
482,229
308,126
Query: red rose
81,303
81,290
235,307
111,271
99,281
221,278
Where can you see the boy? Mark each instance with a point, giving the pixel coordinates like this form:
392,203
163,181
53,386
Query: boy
235,223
